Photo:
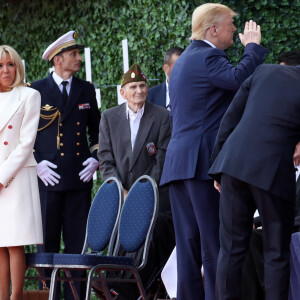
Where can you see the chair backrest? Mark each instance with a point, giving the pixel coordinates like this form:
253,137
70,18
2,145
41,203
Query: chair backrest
138,217
104,216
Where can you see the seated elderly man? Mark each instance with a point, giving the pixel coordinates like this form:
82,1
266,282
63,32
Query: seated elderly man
133,139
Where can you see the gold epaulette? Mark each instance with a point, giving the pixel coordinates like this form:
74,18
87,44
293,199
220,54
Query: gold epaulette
28,84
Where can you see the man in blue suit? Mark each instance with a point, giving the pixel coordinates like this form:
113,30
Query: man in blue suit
254,154
159,94
202,85
66,156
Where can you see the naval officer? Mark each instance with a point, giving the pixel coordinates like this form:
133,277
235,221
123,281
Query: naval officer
66,148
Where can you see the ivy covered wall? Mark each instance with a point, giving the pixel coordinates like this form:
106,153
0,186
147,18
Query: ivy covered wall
151,27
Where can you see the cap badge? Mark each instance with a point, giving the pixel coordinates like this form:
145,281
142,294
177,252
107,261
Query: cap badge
132,75
75,35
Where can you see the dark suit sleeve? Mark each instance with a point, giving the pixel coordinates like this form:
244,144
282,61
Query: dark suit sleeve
105,153
93,123
222,74
232,117
162,144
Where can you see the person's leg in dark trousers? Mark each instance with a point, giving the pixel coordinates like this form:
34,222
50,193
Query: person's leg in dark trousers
236,222
188,247
253,269
52,205
76,210
277,216
195,206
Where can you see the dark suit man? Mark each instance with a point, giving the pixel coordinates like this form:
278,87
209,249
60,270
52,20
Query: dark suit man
68,110
202,85
254,153
159,94
253,267
133,139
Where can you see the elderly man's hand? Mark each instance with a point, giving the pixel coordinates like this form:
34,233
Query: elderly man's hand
296,156
251,34
217,186
125,193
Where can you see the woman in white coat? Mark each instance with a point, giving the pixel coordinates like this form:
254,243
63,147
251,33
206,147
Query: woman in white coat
20,213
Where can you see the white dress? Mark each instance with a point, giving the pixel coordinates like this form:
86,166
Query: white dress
20,211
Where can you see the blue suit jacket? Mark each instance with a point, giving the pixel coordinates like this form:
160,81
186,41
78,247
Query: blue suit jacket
81,115
202,85
260,130
157,95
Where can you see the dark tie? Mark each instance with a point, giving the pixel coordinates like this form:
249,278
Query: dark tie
64,91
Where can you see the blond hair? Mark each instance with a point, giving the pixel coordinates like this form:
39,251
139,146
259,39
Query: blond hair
16,60
207,15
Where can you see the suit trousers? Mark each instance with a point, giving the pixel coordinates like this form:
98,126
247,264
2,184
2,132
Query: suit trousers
237,206
65,213
195,209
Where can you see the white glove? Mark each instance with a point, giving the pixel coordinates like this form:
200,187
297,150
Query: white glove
91,166
47,175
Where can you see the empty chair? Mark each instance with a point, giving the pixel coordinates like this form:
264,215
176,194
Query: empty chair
137,220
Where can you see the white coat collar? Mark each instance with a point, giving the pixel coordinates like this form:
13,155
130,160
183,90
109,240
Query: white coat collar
14,101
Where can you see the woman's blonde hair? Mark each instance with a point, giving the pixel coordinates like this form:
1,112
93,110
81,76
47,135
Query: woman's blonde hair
205,16
16,60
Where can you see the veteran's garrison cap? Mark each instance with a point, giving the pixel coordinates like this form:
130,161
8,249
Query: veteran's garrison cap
134,74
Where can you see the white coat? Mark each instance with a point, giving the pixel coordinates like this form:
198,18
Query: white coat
20,212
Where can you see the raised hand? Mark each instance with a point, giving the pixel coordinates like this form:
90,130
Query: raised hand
251,34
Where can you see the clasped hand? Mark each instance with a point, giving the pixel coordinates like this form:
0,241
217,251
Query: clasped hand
251,34
47,175
91,166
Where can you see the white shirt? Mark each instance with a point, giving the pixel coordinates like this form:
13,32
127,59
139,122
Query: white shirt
134,121
209,43
297,172
167,95
58,80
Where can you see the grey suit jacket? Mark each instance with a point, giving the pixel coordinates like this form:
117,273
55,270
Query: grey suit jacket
115,152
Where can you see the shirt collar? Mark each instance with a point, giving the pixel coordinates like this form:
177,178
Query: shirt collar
209,43
58,80
129,112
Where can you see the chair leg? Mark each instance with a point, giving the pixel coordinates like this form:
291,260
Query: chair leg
72,285
139,284
106,292
53,284
88,286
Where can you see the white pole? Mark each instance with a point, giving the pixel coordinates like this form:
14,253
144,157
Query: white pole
88,65
98,97
125,55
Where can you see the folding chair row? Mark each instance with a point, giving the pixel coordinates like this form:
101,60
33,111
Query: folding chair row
131,229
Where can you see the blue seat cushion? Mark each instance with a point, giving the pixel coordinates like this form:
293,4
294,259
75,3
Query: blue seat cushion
90,259
102,216
39,258
136,216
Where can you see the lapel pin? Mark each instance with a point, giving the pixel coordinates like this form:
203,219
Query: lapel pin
151,148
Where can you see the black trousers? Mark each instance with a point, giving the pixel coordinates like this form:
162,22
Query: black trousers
237,206
65,213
